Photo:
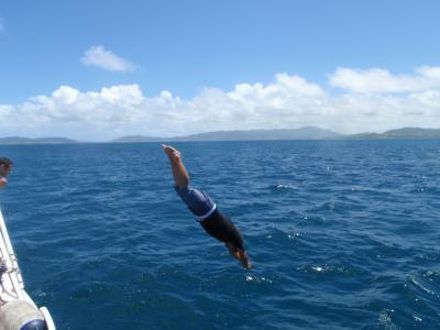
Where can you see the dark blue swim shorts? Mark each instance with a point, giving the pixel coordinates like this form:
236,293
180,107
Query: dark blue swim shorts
200,204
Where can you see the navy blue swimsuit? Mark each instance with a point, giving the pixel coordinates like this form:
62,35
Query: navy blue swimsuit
212,220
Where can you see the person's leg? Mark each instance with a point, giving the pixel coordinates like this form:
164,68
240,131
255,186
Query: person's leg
180,174
200,204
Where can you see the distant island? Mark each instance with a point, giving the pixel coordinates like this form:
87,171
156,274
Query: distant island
24,140
304,133
402,133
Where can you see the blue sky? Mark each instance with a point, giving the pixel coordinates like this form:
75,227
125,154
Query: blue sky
185,47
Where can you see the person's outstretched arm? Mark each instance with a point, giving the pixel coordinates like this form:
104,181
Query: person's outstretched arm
3,182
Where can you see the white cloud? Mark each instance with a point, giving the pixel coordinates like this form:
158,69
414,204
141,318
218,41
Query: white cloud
287,102
382,81
105,59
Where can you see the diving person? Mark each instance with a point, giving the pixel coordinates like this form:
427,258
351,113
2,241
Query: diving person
203,207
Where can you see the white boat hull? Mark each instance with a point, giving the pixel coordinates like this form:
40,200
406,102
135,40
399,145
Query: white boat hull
17,309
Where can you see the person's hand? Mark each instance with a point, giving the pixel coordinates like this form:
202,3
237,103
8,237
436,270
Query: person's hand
244,259
239,254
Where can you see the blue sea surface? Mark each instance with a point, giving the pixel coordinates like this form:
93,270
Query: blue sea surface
342,235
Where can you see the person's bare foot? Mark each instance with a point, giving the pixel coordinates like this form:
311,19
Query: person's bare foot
171,152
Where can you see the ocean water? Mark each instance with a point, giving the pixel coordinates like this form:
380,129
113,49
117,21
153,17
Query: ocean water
342,235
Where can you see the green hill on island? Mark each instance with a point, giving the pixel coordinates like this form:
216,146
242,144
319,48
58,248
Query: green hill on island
304,133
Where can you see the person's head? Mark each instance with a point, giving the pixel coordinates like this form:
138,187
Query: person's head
239,253
5,166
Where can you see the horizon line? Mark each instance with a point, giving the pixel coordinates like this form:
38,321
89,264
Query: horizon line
165,138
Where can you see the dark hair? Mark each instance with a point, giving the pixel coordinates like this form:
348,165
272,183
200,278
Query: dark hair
6,161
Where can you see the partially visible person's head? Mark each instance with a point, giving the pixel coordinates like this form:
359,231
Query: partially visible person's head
239,253
5,166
